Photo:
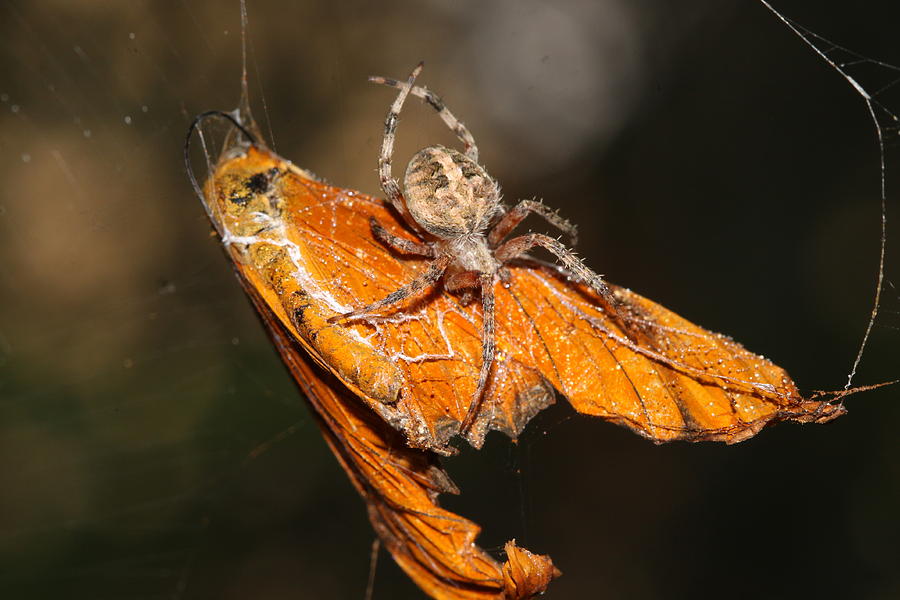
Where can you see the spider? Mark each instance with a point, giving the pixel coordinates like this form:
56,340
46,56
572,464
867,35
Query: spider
455,208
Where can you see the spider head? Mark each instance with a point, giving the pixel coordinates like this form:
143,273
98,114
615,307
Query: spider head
449,194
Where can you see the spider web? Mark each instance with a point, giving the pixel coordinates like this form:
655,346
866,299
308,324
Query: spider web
842,60
152,445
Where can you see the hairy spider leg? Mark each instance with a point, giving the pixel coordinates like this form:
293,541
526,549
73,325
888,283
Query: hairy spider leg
467,280
518,246
413,288
517,214
435,101
399,244
486,282
390,185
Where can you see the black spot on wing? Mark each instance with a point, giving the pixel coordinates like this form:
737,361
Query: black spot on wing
259,183
239,199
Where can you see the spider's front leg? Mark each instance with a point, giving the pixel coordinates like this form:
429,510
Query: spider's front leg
517,214
486,283
467,281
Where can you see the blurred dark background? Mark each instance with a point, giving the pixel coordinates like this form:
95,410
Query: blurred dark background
712,161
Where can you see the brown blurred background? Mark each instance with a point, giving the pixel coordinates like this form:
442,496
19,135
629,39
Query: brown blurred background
713,162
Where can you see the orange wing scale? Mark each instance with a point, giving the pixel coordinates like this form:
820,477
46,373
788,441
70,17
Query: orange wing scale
390,392
400,485
308,248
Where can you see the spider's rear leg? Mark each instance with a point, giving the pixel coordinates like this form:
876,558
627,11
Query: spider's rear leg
517,214
390,185
522,244
413,288
399,244
435,102
486,283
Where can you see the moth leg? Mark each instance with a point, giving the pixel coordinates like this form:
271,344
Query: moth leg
413,288
486,281
517,214
399,244
522,244
435,102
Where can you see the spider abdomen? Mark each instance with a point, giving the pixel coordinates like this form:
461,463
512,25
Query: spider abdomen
448,193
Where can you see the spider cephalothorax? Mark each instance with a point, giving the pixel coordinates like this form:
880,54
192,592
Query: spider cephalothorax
454,206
